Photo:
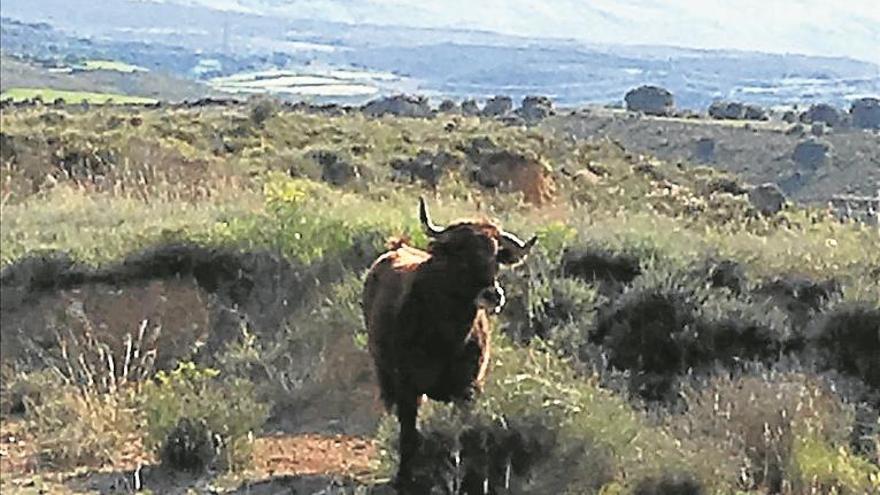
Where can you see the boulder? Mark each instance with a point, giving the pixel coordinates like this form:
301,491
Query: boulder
470,108
822,112
818,129
724,110
767,198
497,106
754,112
425,166
398,105
811,154
510,171
795,130
704,150
535,108
448,106
334,170
865,113
790,117
652,100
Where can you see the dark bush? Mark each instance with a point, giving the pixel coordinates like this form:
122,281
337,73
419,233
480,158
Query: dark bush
799,297
262,109
663,331
482,455
641,332
669,484
728,274
189,446
847,339
609,269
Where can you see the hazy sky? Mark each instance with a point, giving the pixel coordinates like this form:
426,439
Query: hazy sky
817,27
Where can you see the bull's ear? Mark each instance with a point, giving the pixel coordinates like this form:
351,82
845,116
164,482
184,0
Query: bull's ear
513,250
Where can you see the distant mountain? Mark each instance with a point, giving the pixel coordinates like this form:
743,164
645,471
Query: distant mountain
249,35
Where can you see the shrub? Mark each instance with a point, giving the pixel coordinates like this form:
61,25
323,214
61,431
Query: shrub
21,392
670,324
545,429
824,469
261,110
669,484
189,446
760,421
74,429
847,339
228,407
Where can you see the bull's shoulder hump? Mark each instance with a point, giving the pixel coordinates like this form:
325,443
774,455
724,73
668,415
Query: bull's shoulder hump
404,258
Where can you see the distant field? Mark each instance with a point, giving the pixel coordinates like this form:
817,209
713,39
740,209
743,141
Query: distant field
112,65
47,94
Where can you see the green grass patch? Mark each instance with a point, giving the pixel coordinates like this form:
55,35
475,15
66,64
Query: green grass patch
112,65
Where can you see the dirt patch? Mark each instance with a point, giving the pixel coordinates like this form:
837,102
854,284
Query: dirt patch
516,172
282,464
510,171
200,296
311,454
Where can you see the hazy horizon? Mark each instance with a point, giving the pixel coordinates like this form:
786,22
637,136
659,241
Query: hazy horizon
809,27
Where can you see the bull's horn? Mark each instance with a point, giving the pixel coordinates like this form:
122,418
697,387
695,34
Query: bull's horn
430,229
516,246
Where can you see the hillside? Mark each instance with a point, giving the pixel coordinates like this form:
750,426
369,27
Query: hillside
454,61
181,310
758,152
23,74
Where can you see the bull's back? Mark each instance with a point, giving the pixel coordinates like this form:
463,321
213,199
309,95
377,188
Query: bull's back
387,285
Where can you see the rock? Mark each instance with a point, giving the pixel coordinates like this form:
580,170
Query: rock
725,185
822,112
865,113
818,129
334,170
398,105
767,198
793,183
497,106
470,108
510,171
723,110
7,148
652,100
811,154
704,150
448,106
754,112
790,117
425,166
795,130
512,120
536,108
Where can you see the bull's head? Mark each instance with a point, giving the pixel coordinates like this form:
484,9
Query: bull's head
477,249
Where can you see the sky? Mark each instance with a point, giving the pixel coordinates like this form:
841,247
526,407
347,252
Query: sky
814,27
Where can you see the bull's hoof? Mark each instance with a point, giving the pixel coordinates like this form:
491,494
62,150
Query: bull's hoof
404,484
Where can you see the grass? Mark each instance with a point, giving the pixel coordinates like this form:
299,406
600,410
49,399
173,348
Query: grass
49,95
113,65
103,183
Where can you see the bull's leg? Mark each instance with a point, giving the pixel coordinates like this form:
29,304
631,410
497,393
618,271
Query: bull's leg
407,410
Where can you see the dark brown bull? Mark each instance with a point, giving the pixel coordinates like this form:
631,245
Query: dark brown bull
427,318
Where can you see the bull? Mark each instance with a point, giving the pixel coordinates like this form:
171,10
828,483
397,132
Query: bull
427,318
